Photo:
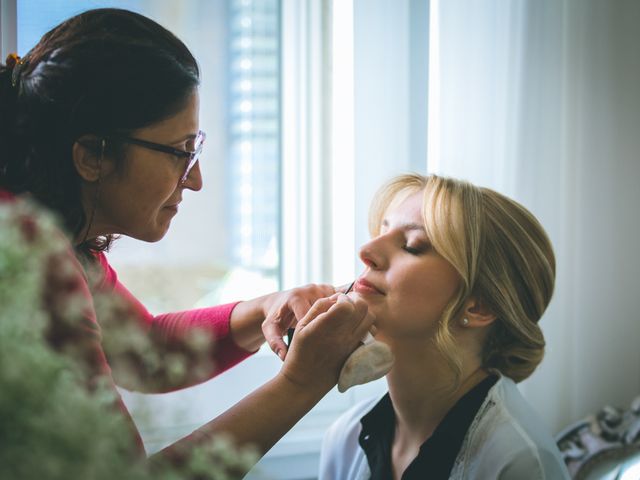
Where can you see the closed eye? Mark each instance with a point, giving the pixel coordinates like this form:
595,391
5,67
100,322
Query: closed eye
415,250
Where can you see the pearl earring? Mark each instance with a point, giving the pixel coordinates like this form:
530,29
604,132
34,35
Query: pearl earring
465,322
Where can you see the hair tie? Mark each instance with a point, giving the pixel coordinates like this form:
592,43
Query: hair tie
12,59
14,63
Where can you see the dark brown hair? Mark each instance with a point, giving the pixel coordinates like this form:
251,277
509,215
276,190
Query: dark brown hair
102,72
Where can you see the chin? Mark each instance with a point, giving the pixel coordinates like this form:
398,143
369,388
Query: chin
152,236
158,236
155,238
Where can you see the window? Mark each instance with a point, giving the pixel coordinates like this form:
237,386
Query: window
7,27
231,227
308,105
226,240
254,147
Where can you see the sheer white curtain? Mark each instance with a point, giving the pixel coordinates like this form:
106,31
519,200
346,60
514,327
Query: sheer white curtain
540,100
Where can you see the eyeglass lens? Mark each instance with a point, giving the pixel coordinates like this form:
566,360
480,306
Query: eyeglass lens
194,146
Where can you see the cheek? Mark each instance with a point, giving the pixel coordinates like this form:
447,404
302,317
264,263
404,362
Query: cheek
135,201
436,293
152,190
422,305
424,293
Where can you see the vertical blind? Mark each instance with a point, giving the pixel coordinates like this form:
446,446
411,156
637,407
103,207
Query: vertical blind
254,143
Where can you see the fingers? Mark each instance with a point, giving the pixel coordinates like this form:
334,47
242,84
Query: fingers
364,319
291,306
274,327
330,331
326,290
351,304
299,306
319,307
300,300
362,330
273,335
345,316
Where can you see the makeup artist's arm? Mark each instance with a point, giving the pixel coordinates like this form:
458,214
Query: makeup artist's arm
268,317
325,337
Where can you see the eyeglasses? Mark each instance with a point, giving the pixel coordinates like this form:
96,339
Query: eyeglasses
192,154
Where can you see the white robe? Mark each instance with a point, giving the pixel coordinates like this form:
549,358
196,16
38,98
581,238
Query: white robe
507,440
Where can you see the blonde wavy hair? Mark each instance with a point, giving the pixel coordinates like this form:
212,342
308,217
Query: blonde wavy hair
503,256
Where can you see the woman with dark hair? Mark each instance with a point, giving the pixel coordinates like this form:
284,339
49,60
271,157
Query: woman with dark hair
99,124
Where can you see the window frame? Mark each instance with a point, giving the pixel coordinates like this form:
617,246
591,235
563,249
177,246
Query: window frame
8,27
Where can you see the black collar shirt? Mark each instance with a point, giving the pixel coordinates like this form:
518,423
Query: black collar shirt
438,453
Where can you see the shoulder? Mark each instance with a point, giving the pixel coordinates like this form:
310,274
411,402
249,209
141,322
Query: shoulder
341,455
6,197
347,427
106,276
47,279
354,414
508,440
28,226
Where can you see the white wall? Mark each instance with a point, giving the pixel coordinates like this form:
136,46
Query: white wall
390,90
587,193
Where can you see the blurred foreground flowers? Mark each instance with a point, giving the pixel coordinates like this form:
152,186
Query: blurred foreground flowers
57,416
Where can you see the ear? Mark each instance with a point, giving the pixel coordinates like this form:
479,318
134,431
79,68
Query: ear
88,156
478,314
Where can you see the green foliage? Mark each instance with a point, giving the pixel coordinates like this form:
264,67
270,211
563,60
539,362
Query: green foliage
52,424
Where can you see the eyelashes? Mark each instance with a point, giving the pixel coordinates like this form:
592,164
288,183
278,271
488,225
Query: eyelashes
412,243
417,249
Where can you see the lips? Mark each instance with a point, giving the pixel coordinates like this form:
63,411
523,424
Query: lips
366,287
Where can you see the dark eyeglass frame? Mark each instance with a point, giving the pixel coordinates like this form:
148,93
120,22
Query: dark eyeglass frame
158,147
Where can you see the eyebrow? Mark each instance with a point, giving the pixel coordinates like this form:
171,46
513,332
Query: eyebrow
406,226
186,137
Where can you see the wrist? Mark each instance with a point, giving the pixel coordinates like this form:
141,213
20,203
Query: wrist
245,324
266,303
313,390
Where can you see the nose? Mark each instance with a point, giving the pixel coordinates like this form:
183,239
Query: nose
372,254
194,179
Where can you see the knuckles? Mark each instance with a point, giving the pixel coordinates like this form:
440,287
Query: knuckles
344,308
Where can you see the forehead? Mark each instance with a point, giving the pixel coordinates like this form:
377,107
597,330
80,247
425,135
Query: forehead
405,211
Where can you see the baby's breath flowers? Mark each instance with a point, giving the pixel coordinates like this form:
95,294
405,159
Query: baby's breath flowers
57,419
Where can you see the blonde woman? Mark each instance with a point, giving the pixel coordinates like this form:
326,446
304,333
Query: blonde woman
457,277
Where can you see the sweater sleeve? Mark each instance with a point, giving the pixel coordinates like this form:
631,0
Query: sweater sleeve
200,338
66,316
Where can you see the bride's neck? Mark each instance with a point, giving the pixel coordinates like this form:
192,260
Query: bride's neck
423,389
